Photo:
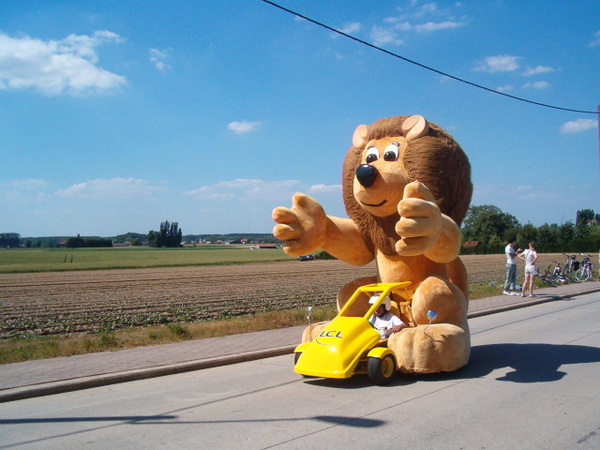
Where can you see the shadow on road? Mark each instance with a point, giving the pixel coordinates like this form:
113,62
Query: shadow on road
532,363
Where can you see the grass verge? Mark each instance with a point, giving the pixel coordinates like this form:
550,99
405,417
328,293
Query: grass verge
19,350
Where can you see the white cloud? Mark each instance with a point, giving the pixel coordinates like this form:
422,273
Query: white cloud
399,23
351,28
596,40
157,57
403,26
433,26
414,19
537,204
500,63
538,69
324,189
57,67
382,36
243,126
537,85
22,191
426,8
507,88
246,189
578,126
114,188
26,184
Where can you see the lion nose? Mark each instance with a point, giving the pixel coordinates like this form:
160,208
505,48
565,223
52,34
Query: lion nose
366,174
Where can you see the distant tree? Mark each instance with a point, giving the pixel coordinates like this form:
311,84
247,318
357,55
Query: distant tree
584,216
566,233
548,238
152,238
169,235
75,242
100,242
10,240
583,221
132,238
528,234
488,224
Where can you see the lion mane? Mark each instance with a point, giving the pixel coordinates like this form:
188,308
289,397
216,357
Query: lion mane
435,159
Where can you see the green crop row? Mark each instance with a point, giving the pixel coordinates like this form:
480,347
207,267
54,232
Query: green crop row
50,260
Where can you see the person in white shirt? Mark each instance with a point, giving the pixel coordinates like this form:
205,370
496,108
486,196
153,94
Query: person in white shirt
510,285
530,257
383,320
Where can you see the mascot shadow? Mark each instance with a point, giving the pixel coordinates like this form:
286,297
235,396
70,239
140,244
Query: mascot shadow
525,363
531,363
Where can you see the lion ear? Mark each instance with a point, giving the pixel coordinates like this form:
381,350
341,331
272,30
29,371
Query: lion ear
359,138
414,127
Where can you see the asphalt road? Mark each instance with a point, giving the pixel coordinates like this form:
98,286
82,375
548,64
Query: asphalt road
532,383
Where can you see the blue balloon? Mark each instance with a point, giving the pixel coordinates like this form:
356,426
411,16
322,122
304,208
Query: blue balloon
431,314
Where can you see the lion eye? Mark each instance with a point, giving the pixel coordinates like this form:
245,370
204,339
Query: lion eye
372,154
391,152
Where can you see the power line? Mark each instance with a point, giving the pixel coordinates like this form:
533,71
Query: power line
423,66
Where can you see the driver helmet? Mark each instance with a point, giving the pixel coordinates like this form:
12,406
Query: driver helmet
387,302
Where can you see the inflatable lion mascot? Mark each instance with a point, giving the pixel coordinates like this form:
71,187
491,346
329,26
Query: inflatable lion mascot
406,189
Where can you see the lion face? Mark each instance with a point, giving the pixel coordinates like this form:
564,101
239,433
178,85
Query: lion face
380,179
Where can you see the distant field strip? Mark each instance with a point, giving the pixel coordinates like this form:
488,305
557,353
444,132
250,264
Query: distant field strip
33,260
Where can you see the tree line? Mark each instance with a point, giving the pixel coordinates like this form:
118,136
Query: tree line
487,229
79,242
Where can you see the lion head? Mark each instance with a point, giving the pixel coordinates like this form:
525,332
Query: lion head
391,153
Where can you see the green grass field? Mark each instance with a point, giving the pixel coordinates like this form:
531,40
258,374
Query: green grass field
50,260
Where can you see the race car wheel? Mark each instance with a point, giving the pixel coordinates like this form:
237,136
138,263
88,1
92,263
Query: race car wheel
381,370
297,357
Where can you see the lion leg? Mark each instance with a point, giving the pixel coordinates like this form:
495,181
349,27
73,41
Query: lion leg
445,344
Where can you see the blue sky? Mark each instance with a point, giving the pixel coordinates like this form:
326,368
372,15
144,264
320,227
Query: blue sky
116,116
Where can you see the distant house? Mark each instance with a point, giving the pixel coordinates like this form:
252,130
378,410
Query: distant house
470,244
121,244
261,246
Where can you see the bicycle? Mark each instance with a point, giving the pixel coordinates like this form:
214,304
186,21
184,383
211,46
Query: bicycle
558,275
587,269
571,265
546,278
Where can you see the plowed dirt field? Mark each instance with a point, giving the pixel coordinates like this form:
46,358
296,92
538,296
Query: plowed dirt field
34,304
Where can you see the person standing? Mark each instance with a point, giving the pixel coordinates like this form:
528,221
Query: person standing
510,285
530,257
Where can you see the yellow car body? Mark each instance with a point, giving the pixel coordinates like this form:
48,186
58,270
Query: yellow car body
349,344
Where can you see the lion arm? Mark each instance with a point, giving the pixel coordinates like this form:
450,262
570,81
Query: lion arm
305,228
447,246
344,241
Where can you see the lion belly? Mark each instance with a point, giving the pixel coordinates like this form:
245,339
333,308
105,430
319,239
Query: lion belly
410,268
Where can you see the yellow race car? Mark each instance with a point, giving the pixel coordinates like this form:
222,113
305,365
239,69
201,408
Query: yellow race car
349,344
